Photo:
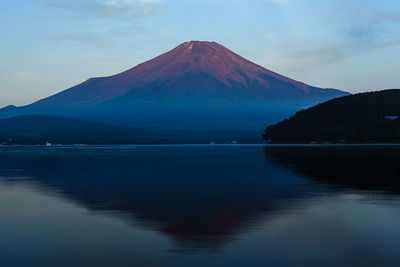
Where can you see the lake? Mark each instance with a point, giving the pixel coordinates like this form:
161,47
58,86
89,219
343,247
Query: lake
205,205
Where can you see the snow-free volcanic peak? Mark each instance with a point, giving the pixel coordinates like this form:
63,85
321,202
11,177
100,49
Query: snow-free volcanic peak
202,79
210,58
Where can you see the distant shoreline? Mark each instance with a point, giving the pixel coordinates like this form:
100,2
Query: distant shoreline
201,145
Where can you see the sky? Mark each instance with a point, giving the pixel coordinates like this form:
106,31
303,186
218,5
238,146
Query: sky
50,45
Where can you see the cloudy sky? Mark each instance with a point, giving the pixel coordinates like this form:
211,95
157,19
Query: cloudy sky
49,45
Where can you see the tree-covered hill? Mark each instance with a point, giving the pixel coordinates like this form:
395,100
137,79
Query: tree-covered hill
372,117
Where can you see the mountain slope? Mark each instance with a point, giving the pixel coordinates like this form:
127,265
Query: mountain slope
366,117
194,81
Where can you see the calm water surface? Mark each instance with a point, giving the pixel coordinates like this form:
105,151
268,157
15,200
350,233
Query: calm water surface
200,206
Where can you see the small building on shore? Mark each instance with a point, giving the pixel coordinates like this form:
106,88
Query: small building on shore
392,117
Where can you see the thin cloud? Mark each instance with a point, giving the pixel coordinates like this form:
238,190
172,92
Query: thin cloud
84,38
355,28
114,8
122,16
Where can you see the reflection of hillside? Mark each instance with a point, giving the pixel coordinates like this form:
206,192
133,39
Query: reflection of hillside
368,167
201,198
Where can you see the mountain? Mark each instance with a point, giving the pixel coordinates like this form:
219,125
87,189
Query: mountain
371,117
197,84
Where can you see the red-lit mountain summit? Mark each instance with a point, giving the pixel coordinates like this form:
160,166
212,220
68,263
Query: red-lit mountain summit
192,77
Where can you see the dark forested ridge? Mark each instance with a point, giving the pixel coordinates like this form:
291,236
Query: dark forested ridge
371,117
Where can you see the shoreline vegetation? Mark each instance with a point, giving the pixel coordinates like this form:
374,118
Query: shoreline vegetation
364,118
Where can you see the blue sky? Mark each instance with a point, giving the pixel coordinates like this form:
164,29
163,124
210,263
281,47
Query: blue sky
49,45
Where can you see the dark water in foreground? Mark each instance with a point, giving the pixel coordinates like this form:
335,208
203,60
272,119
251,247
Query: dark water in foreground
200,206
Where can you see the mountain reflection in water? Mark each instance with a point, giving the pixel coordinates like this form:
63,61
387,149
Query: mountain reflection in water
203,197
210,197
